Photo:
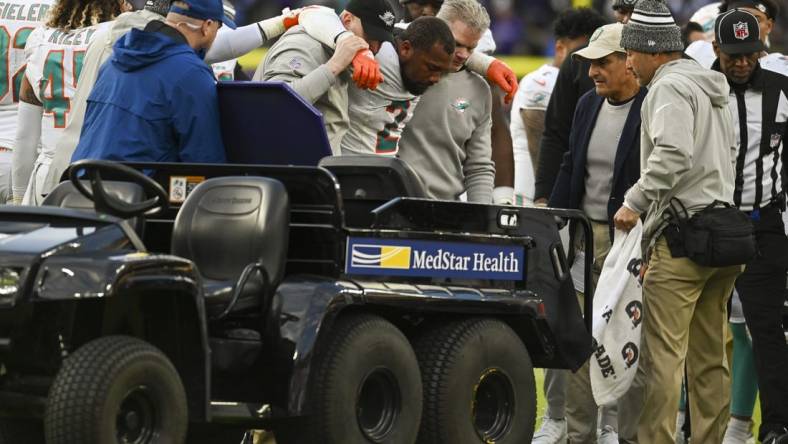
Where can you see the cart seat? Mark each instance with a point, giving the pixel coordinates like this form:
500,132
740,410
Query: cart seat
227,225
65,195
372,177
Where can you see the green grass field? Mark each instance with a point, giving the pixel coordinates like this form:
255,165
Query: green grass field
541,403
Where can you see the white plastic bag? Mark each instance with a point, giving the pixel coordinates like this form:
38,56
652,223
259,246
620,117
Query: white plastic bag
617,320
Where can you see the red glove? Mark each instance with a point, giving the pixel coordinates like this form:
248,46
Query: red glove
290,18
366,71
500,74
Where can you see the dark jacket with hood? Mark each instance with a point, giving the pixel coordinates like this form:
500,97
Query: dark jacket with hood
154,101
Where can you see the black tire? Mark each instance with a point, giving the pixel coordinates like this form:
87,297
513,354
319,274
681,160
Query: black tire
364,387
478,384
116,388
21,431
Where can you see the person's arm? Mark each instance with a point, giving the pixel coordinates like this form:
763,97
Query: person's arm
533,121
323,25
28,136
478,168
195,111
233,43
671,128
296,65
495,71
558,124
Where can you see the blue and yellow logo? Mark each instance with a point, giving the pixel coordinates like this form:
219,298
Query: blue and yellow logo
379,256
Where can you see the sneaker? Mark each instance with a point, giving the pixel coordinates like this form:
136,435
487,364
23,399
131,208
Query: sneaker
607,436
738,432
553,431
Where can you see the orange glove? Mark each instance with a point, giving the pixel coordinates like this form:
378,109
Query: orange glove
290,18
500,74
366,71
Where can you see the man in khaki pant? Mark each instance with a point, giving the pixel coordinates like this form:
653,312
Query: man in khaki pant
687,154
602,163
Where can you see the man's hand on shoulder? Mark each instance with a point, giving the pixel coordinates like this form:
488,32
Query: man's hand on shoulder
502,75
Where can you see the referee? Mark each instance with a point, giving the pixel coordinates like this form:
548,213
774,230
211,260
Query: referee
759,105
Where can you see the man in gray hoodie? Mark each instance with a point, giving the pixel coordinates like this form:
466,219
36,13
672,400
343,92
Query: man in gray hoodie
687,153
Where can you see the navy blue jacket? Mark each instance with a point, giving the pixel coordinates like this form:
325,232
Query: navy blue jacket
570,185
154,101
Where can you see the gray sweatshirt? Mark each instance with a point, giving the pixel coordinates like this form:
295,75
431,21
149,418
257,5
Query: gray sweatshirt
687,144
299,60
448,143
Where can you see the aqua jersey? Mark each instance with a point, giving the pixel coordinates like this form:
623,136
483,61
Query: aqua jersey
17,20
54,60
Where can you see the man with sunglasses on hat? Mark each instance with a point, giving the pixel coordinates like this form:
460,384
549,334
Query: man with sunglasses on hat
759,105
155,99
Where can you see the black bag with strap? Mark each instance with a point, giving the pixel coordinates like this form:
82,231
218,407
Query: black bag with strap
720,235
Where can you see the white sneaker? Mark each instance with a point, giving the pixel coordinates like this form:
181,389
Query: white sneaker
607,436
738,432
553,431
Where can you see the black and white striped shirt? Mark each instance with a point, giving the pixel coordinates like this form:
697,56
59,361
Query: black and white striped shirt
760,113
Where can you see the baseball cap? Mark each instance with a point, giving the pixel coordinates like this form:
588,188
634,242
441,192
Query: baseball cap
768,7
737,32
377,18
624,4
202,10
604,41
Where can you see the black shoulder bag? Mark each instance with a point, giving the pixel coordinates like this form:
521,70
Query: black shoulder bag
720,235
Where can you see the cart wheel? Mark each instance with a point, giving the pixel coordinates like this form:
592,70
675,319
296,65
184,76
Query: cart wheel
116,389
478,384
365,387
21,431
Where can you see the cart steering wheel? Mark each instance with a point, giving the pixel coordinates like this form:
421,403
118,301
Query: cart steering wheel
156,197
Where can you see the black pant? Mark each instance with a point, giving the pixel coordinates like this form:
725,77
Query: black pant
762,291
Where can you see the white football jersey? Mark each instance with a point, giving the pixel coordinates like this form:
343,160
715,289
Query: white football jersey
224,71
534,93
18,19
378,117
54,61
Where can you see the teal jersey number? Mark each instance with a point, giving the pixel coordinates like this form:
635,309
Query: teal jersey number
56,102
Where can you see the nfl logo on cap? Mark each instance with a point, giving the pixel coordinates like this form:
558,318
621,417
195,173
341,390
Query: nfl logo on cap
741,31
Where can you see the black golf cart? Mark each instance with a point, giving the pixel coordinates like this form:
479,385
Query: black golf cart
330,304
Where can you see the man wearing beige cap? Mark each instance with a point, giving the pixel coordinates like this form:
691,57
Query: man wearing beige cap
602,163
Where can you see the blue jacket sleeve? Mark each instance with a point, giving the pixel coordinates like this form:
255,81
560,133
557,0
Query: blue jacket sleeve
196,119
560,196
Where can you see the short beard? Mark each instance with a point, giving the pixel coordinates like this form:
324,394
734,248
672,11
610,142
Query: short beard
412,87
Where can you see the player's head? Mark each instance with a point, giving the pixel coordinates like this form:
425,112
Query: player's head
420,8
765,11
572,29
467,20
372,20
623,9
74,14
198,20
705,17
692,32
426,50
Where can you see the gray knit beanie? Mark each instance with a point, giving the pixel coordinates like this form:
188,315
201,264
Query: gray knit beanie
652,29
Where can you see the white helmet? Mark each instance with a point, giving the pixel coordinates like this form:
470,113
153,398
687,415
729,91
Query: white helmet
705,17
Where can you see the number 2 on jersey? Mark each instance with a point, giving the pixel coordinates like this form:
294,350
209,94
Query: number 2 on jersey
53,87
6,79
